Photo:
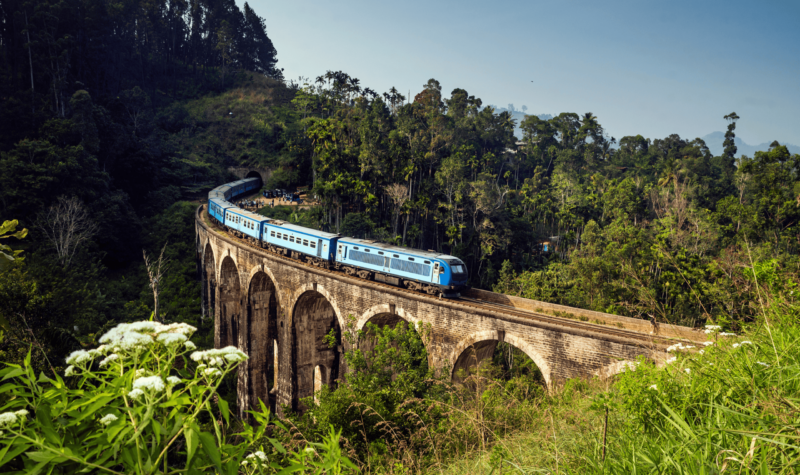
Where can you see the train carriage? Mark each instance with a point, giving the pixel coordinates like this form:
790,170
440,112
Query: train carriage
314,246
428,271
246,224
217,208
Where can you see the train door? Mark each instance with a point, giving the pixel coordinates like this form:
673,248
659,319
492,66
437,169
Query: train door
319,247
385,264
435,278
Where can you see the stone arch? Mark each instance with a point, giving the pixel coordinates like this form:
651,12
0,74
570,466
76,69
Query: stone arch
385,309
260,335
384,315
209,280
313,318
266,270
230,295
471,351
324,292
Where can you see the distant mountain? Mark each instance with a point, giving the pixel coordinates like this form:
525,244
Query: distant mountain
518,115
714,141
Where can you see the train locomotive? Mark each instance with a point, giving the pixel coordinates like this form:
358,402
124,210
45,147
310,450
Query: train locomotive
422,271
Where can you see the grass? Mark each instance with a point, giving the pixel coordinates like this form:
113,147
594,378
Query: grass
735,408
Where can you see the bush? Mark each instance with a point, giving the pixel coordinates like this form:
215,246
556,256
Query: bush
137,404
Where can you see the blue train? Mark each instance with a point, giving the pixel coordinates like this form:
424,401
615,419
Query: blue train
423,271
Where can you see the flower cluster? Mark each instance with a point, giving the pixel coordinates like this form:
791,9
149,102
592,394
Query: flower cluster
132,337
108,419
218,357
712,329
678,346
742,343
254,457
12,418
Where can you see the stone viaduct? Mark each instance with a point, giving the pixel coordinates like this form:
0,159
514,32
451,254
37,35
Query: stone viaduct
279,312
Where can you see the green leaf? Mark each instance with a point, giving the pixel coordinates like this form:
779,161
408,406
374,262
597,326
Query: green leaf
210,449
13,373
7,455
192,439
43,416
223,409
39,456
278,446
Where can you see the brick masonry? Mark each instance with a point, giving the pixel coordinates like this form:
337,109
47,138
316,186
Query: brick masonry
279,312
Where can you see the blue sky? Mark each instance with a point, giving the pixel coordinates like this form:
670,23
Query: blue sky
643,67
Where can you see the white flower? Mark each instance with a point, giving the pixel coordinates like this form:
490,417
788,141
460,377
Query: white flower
136,393
150,383
135,341
108,419
309,450
173,380
702,352
257,455
179,329
688,371
215,357
109,359
762,363
211,372
746,342
189,346
727,334
78,357
7,419
168,339
22,413
235,357
735,345
141,372
653,387
69,371
708,343
712,329
671,360
201,367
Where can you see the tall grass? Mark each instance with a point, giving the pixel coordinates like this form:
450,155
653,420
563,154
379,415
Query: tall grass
732,408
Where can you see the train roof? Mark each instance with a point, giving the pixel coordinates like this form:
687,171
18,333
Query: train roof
222,203
249,214
399,249
302,229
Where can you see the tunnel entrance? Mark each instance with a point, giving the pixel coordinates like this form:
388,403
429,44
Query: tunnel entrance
255,174
316,342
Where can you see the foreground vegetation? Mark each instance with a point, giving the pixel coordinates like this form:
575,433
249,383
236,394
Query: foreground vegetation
729,406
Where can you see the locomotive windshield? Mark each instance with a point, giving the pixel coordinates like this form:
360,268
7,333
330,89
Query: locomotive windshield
458,268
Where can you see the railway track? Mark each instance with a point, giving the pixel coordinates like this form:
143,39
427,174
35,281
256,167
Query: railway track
490,309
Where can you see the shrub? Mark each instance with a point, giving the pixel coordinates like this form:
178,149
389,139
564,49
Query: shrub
137,404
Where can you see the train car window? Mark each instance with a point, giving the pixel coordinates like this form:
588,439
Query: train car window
379,252
305,242
285,237
279,235
355,248
427,262
395,255
313,245
272,233
367,250
291,238
410,258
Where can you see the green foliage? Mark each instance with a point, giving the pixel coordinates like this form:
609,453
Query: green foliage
145,408
8,255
